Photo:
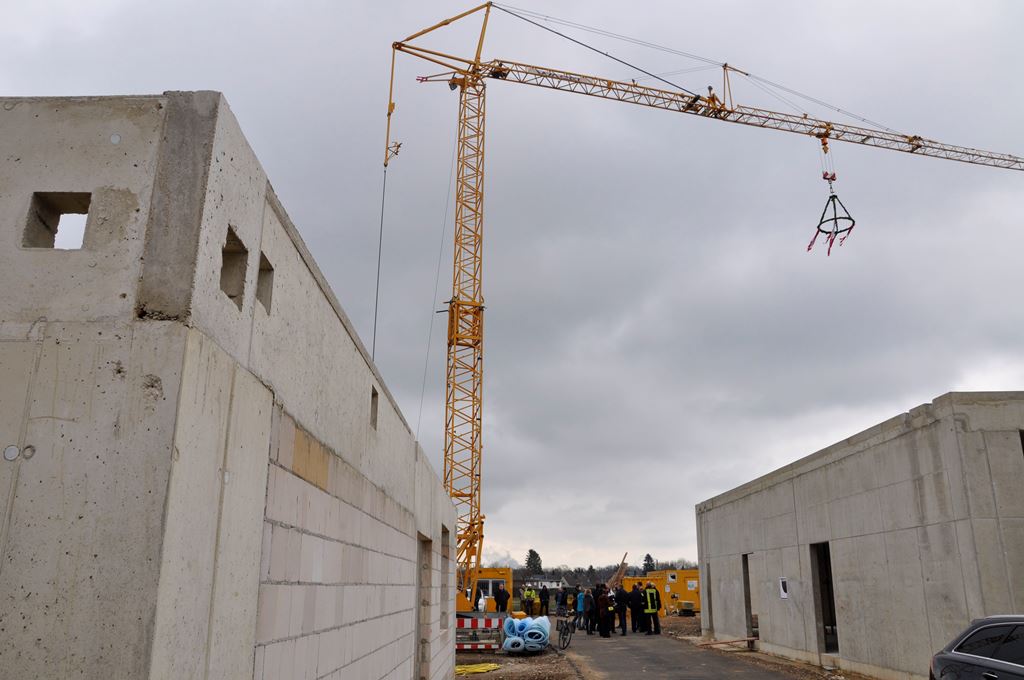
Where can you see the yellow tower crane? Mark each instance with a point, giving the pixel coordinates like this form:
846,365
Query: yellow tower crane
463,392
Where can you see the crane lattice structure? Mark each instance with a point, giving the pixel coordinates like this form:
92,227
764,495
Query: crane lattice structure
463,445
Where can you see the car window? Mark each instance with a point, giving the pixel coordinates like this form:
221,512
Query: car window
983,642
1012,648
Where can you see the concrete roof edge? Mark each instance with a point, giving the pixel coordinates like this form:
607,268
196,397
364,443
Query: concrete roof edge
84,97
892,427
325,288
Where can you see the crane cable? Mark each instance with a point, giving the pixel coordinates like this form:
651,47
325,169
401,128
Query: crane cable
594,49
437,279
669,50
380,244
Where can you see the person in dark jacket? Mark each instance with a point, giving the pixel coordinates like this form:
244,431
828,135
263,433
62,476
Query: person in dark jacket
501,597
621,604
588,611
604,608
545,600
636,608
652,603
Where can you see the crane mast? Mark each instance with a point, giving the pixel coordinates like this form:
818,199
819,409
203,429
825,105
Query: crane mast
463,443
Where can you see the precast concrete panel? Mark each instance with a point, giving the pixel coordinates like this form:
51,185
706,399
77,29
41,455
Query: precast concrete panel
80,539
106,147
194,493
240,531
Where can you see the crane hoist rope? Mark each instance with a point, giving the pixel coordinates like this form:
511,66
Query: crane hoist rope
463,444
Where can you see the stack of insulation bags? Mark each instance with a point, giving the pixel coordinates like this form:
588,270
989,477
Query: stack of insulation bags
526,635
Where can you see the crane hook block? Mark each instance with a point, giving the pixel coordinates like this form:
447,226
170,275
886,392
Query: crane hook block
835,223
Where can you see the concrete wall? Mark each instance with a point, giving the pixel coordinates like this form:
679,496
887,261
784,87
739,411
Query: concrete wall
200,489
925,524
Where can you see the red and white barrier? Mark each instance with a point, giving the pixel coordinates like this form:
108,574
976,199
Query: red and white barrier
488,623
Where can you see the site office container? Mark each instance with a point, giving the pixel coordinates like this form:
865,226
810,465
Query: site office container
679,589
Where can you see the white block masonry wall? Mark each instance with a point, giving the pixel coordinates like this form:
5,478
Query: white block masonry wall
203,474
922,519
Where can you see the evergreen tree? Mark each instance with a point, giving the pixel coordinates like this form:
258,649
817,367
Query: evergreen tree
533,563
649,564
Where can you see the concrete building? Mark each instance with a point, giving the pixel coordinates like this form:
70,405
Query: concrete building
203,475
872,554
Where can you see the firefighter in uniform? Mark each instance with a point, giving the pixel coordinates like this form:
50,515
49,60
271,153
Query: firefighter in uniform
652,603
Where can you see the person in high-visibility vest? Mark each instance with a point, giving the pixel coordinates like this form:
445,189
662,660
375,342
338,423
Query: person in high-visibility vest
529,595
652,603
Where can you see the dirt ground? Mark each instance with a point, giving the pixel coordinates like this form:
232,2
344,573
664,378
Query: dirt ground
554,665
548,665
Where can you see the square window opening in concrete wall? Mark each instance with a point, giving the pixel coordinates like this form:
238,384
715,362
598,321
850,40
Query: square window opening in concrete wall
374,398
56,220
265,283
233,258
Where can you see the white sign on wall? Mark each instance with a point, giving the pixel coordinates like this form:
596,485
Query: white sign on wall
691,585
783,587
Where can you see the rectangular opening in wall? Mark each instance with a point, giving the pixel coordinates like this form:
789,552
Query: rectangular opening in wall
446,557
748,615
373,407
265,283
824,598
706,592
56,219
425,583
233,259
1021,441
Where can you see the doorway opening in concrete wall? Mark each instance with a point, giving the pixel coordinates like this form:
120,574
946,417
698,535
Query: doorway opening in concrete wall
707,610
424,586
824,598
56,220
748,614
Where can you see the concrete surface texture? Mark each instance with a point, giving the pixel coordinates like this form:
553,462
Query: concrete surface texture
203,475
921,518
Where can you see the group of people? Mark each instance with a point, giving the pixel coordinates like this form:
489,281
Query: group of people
593,609
596,609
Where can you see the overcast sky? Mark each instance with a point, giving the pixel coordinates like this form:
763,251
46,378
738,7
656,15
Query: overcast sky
656,332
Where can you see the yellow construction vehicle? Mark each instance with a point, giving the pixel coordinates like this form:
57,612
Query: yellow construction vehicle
483,584
468,75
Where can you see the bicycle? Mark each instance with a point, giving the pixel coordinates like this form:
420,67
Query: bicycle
564,627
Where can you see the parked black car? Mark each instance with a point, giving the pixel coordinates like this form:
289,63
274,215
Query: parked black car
989,649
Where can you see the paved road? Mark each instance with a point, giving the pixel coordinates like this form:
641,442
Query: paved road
657,657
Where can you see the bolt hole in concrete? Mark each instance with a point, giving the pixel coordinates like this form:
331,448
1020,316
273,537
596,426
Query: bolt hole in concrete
57,220
11,452
115,138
